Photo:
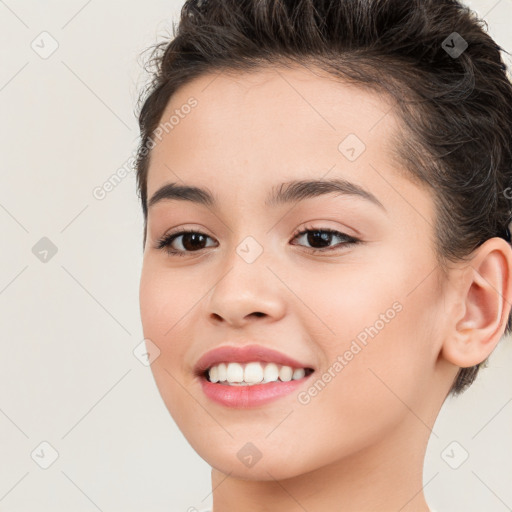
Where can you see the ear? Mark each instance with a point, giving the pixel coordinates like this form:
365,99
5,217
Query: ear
485,295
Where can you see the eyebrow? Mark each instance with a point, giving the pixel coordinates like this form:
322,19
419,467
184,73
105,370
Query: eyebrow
291,191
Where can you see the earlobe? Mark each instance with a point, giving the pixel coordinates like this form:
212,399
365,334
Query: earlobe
486,295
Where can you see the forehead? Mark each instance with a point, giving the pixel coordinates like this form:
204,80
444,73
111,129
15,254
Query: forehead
224,130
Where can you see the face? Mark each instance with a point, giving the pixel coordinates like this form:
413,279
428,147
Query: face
360,305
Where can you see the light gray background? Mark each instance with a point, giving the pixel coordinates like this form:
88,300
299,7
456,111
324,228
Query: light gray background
69,325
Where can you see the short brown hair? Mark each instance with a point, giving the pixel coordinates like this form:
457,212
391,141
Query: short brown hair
432,56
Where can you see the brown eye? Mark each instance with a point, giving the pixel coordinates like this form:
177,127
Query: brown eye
319,239
191,241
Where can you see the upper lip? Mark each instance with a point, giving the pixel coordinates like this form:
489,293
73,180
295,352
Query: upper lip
244,354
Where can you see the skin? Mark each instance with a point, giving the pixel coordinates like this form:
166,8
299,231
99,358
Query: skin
368,428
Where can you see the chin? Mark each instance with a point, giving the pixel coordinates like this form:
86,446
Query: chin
245,461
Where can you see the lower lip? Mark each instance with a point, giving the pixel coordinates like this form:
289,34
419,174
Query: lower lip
249,396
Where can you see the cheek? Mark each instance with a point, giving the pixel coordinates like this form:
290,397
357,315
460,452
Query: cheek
164,305
342,303
168,302
368,388
160,312
164,298
376,335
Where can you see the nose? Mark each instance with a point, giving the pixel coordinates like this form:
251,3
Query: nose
246,292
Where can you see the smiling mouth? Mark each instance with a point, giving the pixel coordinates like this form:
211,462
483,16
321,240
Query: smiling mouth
254,373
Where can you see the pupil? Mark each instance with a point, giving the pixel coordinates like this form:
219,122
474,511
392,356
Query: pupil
322,235
194,245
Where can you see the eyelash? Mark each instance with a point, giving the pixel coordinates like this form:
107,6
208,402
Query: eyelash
166,240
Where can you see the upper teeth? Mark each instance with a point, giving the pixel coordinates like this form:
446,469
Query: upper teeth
253,373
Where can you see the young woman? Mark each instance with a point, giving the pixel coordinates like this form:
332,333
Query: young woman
325,188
